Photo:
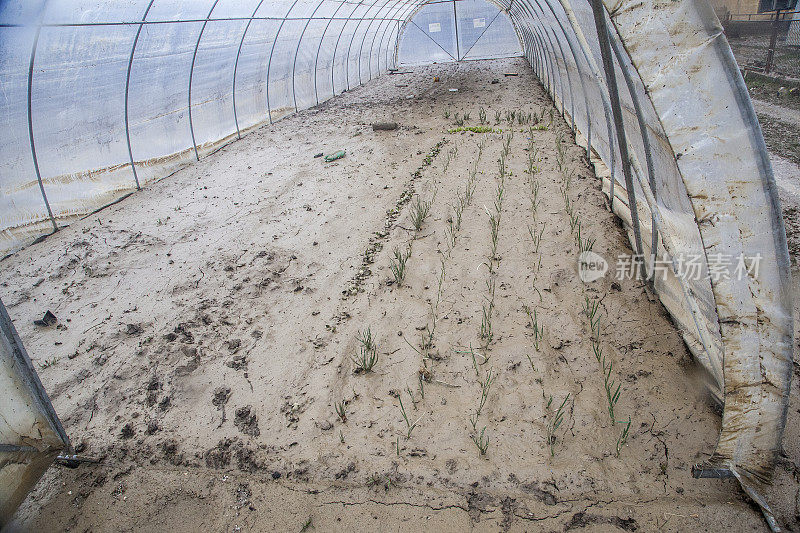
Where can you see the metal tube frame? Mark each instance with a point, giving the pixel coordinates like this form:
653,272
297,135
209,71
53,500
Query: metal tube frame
236,68
336,46
364,39
319,49
455,27
643,130
191,75
127,91
580,77
297,50
353,38
269,61
30,120
598,9
382,41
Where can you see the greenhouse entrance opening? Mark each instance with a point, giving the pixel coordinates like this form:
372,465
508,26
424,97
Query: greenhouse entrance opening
453,30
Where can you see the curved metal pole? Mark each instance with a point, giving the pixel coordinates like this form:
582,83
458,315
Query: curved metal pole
566,68
611,82
401,28
191,75
455,27
364,39
583,85
236,67
558,69
398,30
336,46
30,119
408,14
353,38
297,50
546,52
582,46
555,72
127,90
319,48
544,59
602,89
374,38
569,81
386,39
272,51
381,42
643,130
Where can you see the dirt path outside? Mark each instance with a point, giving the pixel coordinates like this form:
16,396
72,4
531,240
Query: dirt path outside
208,328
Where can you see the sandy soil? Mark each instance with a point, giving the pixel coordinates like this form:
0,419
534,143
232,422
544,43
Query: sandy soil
208,324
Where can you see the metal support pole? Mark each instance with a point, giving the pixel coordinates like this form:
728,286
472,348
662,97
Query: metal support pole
127,90
269,61
381,41
353,38
374,37
611,82
645,143
30,121
583,47
569,79
191,75
364,39
319,48
580,77
336,46
772,42
236,67
297,50
455,25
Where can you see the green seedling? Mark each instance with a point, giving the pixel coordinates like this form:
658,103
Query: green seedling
497,117
474,129
47,363
554,421
591,307
340,412
482,115
623,437
367,356
410,427
612,394
536,238
451,154
481,441
473,355
538,329
419,212
398,264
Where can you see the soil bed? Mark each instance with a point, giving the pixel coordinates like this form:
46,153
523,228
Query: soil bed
208,325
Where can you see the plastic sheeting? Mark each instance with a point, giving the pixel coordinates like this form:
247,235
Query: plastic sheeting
99,99
31,435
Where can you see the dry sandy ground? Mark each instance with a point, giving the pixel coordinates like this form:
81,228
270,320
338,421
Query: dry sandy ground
204,341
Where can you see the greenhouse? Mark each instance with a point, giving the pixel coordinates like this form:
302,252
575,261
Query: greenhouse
346,264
